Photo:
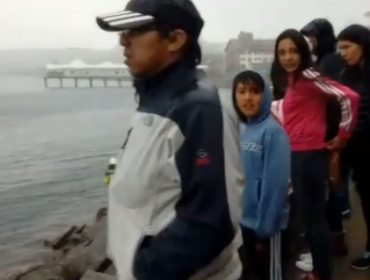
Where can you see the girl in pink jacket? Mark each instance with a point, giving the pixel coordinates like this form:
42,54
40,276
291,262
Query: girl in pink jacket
302,113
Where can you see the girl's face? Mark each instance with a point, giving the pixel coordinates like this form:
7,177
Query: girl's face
288,55
248,99
351,52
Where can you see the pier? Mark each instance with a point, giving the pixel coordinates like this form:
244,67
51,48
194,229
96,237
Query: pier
79,74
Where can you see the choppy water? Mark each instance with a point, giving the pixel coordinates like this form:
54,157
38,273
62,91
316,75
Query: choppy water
54,147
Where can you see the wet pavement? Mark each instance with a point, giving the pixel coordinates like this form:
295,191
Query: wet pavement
356,241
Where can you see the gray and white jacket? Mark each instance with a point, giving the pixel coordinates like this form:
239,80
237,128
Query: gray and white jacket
175,197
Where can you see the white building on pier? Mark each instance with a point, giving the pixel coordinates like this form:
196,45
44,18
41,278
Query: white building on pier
79,74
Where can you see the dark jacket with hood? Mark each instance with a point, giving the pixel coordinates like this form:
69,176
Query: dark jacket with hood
357,79
330,64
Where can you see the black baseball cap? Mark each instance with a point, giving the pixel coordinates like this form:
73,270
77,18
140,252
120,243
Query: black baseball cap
164,14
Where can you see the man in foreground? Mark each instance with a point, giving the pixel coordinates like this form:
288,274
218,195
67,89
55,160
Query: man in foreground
174,200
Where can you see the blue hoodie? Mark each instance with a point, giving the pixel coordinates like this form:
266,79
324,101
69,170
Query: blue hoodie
265,153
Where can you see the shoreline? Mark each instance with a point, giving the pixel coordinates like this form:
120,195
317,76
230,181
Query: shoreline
78,253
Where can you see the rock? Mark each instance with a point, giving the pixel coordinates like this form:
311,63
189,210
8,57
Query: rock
91,275
104,266
76,240
48,243
78,250
71,238
111,270
21,272
45,273
81,229
102,212
61,241
98,247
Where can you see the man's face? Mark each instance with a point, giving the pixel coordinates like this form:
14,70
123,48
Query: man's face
351,52
146,50
143,50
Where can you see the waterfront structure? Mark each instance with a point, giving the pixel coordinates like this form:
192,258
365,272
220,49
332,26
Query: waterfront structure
246,52
250,59
79,74
257,61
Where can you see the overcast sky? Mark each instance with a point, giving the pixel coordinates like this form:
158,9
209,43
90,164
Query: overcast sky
71,23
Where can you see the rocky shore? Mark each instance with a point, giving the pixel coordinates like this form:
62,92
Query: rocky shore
78,254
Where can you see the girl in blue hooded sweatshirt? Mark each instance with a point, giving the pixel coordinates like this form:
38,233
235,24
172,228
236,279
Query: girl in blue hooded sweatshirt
265,153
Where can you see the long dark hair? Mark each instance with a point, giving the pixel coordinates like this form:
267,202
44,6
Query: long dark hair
278,74
359,35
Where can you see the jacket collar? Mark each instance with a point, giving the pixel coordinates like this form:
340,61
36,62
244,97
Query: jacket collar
167,82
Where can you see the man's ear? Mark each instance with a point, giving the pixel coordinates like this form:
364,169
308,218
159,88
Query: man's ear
177,40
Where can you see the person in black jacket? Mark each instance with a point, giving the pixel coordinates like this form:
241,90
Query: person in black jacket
354,46
321,35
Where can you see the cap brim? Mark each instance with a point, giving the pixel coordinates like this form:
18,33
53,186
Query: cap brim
122,20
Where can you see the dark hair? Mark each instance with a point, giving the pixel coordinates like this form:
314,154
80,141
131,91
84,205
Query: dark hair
172,17
247,77
191,52
279,82
359,35
278,74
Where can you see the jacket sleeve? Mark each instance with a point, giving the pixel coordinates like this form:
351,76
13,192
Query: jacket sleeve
332,65
347,99
204,224
274,186
277,110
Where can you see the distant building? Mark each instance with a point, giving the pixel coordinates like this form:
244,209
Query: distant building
245,52
234,48
367,15
258,61
79,74
248,60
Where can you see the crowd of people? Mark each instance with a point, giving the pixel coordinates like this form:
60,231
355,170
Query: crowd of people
322,104
202,187
341,65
